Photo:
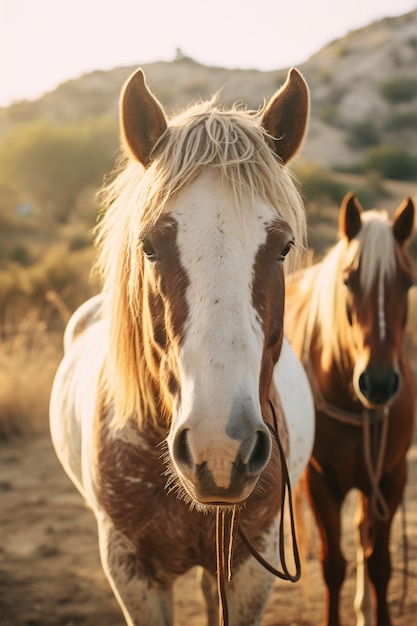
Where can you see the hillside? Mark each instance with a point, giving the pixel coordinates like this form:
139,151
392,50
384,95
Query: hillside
347,78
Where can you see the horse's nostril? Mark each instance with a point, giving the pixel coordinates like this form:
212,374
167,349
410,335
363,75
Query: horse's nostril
394,384
260,452
379,387
364,384
181,450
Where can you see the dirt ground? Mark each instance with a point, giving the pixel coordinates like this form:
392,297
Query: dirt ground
49,565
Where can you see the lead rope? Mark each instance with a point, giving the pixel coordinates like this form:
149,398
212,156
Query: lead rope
224,558
405,558
224,549
285,574
220,559
378,505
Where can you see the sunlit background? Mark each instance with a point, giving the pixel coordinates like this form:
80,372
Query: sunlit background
46,42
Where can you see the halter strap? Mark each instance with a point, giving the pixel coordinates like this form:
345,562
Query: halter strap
373,438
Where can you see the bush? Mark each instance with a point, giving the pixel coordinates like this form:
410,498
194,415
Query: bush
20,254
51,165
401,121
330,114
364,134
60,271
319,185
400,89
391,162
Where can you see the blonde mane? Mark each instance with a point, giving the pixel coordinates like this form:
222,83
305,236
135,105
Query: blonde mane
373,251
232,141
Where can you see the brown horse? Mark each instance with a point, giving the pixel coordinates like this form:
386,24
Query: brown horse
346,318
175,376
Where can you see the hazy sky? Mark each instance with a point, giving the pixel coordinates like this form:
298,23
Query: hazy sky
45,42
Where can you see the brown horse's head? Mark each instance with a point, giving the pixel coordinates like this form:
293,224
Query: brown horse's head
377,274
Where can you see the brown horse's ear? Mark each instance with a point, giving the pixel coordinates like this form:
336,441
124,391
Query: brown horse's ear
350,220
142,118
286,115
403,221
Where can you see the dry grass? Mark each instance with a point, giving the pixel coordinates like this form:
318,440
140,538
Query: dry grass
28,361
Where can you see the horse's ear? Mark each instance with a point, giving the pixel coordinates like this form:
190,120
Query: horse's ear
286,115
350,220
142,118
403,221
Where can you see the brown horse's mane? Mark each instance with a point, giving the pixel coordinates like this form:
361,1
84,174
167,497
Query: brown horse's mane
233,142
321,286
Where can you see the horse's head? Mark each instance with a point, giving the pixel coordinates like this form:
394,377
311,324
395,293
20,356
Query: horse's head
201,277
377,275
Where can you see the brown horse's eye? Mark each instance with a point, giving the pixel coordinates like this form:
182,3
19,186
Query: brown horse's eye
148,249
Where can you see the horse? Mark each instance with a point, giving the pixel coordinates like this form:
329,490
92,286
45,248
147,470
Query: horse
346,319
178,407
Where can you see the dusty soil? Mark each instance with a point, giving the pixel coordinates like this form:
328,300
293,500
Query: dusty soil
49,565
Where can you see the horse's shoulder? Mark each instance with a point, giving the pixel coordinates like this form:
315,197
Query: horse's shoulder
85,316
297,401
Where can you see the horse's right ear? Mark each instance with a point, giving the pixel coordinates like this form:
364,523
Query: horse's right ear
142,118
403,221
286,116
350,220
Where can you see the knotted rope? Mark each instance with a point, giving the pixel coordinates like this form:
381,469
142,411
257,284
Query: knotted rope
224,544
374,439
376,446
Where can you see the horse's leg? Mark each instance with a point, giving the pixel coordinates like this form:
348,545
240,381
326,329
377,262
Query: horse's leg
379,561
251,585
248,594
326,505
209,588
363,599
142,601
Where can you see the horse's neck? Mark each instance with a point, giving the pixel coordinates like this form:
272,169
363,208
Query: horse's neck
332,381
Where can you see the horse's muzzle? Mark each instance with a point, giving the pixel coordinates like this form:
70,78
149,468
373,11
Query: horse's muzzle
379,386
220,473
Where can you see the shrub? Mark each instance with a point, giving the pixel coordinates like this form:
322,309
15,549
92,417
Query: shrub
391,162
401,121
364,134
330,114
20,254
51,165
319,184
400,89
23,289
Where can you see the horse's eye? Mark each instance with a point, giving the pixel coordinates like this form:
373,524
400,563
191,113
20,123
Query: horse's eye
285,251
148,249
348,284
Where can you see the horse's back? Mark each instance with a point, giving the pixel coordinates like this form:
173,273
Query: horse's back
85,316
297,401
75,387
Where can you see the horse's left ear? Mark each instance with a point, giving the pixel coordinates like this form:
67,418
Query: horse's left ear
403,221
350,220
286,115
142,118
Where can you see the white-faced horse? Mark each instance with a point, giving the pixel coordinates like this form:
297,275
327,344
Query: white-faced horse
163,406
